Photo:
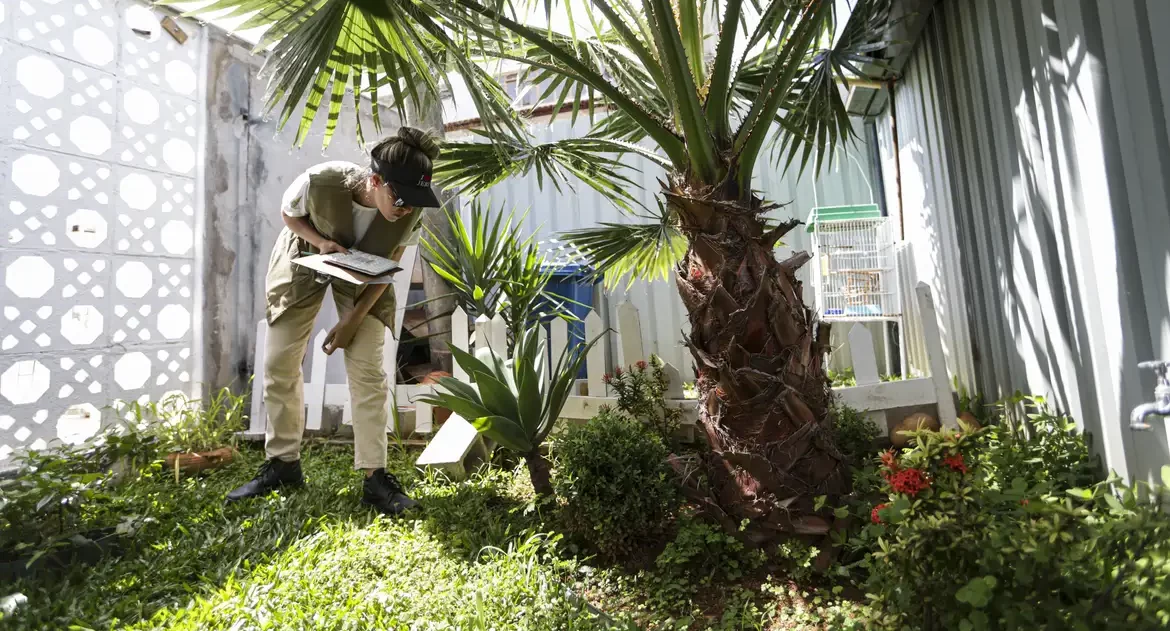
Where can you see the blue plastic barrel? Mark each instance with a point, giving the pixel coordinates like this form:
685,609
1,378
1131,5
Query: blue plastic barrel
575,283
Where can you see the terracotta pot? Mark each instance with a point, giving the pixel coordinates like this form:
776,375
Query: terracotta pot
196,462
439,415
969,419
914,422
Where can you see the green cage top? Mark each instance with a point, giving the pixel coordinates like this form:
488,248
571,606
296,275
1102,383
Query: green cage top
843,213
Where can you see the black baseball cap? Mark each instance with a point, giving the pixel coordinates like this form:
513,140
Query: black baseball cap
411,184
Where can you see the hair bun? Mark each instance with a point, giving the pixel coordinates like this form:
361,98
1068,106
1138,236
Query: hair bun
420,140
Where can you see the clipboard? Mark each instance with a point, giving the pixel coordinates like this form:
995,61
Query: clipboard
320,263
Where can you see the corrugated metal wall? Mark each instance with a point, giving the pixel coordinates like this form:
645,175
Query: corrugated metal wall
663,318
1036,188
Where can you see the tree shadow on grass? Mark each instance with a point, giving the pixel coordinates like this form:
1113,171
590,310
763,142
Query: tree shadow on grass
192,545
190,542
486,511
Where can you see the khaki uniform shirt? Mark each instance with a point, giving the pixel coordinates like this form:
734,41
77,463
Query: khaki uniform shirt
330,209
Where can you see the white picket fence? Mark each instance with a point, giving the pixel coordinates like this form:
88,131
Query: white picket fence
454,441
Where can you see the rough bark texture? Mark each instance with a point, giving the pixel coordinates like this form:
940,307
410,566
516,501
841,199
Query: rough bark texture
539,472
764,397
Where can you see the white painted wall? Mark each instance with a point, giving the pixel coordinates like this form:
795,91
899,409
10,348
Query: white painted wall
99,196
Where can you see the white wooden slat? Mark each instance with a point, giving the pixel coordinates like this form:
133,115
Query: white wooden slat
934,352
498,335
401,289
315,389
595,360
337,396
424,416
865,368
629,334
543,335
886,395
915,361
258,424
482,333
674,389
584,408
459,338
559,336
450,445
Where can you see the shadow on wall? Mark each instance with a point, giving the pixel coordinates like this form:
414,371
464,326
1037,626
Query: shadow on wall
1057,211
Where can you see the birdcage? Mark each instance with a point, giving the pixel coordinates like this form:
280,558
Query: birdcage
854,266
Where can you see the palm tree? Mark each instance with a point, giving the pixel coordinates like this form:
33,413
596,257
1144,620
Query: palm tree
696,86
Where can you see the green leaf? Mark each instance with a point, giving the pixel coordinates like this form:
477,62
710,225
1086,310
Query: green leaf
977,592
1166,476
1079,493
631,251
504,431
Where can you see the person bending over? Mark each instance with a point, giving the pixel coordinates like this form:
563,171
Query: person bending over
332,207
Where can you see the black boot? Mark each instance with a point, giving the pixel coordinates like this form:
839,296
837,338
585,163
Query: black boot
383,491
273,474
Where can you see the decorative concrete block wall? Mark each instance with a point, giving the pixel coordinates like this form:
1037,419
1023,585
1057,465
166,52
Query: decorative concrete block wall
100,171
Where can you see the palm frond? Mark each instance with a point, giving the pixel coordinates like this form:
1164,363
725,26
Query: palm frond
668,39
469,16
814,115
326,47
631,251
475,167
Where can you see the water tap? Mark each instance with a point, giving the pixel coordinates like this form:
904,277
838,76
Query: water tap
1161,403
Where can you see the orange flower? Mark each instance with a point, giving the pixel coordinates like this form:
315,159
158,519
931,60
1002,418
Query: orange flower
909,481
956,463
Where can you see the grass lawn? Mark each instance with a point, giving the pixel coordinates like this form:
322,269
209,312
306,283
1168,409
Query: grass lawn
478,556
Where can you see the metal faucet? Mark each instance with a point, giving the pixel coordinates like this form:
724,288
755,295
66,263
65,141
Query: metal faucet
1161,403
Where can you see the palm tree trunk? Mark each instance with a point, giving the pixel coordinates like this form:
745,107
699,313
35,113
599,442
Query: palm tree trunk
539,473
764,396
430,117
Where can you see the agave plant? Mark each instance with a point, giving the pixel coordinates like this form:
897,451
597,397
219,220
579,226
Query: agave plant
511,402
700,88
492,269
475,258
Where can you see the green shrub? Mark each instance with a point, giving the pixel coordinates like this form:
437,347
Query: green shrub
1034,443
192,425
983,531
47,498
701,556
841,379
641,395
614,482
854,434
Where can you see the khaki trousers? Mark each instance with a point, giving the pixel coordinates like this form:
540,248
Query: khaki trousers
284,380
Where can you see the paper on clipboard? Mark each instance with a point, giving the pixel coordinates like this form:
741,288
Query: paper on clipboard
319,263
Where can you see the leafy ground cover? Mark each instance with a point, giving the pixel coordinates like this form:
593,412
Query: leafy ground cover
965,531
478,556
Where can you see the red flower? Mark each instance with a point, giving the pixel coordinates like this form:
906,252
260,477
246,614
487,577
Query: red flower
873,514
889,460
909,481
696,273
606,378
617,372
956,463
1024,502
641,365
